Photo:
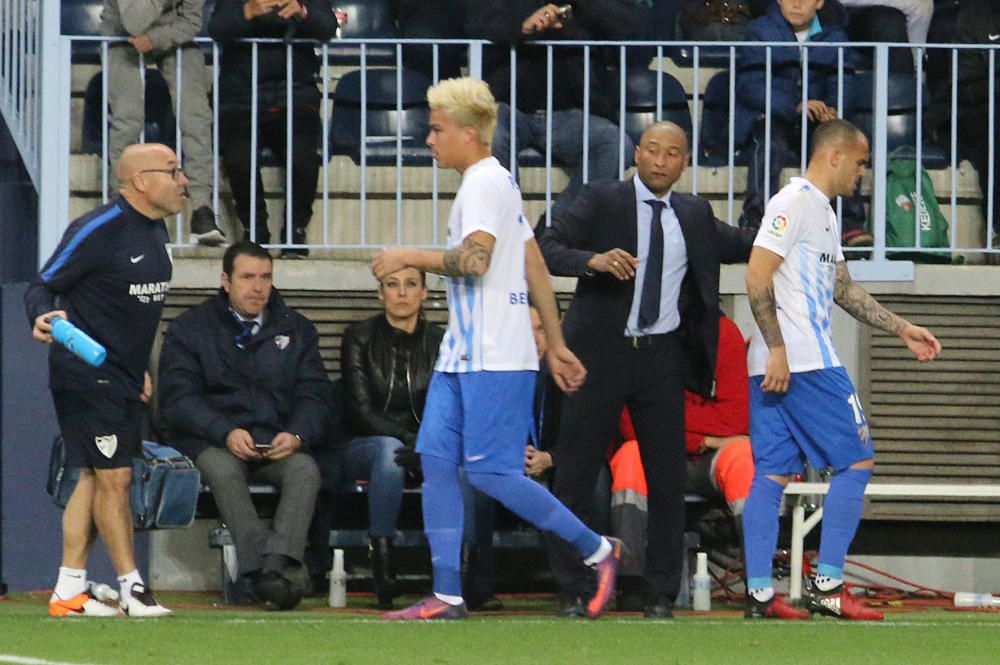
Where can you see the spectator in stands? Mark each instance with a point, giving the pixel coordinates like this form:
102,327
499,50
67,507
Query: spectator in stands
109,276
514,23
244,393
159,31
979,23
431,19
386,362
795,21
286,20
644,321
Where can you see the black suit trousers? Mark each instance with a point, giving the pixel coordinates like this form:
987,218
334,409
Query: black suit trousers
649,380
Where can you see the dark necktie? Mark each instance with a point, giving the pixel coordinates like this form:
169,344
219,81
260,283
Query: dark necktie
649,303
246,332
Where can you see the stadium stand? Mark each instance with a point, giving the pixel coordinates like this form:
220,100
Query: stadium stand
390,111
901,123
642,88
364,19
161,126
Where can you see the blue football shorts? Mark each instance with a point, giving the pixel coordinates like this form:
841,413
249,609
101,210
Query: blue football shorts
479,420
819,419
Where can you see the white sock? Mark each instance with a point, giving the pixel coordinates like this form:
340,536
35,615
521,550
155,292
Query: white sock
451,600
602,552
71,582
126,581
825,582
763,594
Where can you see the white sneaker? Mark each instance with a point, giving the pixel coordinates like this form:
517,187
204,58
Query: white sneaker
80,605
140,603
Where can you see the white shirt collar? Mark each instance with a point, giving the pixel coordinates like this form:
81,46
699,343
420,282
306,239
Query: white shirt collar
642,192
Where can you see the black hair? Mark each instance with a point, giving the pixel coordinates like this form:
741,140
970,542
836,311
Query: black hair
243,247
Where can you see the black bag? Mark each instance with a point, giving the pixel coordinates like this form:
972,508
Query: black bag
164,490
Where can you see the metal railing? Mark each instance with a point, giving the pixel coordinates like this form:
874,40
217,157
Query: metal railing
20,100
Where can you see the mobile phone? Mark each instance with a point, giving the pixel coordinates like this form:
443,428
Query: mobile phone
565,12
263,447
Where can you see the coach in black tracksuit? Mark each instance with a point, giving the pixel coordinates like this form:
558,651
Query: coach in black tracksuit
109,276
244,392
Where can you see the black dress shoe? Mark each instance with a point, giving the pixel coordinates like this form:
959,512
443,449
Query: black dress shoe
661,608
573,607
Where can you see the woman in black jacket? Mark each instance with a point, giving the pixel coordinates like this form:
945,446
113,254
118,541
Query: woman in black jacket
386,363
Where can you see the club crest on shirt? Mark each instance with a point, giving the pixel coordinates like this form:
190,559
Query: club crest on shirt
107,444
777,226
282,341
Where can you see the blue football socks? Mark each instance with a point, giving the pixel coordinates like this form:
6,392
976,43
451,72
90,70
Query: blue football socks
760,530
443,516
532,502
841,516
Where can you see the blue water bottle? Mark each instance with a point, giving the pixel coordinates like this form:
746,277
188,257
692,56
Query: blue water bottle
80,343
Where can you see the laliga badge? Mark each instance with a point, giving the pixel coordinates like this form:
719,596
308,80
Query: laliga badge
107,444
777,226
281,341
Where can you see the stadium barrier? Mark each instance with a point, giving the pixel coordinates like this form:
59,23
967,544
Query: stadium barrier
801,525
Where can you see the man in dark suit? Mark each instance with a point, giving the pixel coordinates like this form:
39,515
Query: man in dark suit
644,321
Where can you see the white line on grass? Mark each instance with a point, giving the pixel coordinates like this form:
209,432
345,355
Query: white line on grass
25,660
637,621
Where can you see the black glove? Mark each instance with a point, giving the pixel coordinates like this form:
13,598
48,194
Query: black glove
408,458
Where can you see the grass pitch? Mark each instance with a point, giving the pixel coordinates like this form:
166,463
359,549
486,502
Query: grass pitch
526,632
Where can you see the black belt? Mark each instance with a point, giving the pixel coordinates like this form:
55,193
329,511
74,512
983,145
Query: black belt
645,341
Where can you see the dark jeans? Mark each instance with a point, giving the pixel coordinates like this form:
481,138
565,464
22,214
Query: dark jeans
234,134
373,458
567,145
785,143
973,134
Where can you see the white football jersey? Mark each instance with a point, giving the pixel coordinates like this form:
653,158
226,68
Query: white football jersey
800,226
489,327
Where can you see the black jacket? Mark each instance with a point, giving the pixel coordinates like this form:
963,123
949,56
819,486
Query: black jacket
208,386
370,354
110,272
228,24
500,21
603,217
977,21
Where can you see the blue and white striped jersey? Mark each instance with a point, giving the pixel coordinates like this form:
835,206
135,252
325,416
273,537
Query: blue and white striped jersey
489,328
800,226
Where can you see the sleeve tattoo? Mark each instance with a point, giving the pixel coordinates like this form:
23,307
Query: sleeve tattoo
469,258
765,313
857,302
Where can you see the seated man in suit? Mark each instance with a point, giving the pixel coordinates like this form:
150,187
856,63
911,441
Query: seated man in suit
244,393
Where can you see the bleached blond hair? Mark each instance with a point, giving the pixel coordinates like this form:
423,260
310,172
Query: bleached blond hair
468,102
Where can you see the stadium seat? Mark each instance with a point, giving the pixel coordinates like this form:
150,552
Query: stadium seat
901,123
384,117
708,56
82,18
364,19
714,131
160,124
640,102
